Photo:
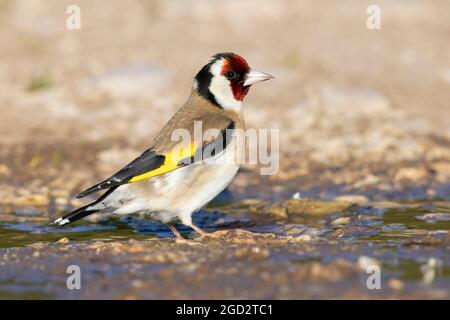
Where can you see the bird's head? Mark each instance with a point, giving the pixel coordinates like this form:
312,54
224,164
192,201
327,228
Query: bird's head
226,79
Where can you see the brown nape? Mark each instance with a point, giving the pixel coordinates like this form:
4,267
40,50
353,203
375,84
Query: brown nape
197,108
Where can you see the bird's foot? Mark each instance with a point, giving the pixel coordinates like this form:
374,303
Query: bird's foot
215,235
203,235
198,229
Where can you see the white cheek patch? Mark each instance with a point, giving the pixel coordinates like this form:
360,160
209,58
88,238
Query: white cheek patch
221,89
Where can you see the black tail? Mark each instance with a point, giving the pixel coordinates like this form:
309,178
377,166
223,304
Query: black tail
76,215
82,211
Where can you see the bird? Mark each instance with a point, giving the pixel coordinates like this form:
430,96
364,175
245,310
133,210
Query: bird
174,178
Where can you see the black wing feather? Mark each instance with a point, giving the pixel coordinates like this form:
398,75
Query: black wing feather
212,148
147,161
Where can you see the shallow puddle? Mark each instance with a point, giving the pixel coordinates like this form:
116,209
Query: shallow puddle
409,241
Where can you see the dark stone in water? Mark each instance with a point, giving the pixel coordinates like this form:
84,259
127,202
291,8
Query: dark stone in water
365,210
394,227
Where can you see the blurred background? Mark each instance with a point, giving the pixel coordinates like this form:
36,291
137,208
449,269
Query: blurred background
343,94
364,115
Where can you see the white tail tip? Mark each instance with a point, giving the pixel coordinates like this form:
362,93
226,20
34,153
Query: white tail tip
61,221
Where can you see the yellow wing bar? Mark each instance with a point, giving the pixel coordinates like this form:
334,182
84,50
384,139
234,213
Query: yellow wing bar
170,162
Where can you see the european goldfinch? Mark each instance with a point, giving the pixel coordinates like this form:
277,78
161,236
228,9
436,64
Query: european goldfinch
168,182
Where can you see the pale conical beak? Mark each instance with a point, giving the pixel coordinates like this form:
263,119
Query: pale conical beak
254,76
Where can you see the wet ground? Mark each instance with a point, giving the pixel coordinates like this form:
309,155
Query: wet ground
295,248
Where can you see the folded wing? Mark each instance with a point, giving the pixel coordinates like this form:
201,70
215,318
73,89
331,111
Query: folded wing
151,164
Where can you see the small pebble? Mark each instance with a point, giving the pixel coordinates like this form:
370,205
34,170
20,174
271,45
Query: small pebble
64,240
357,199
302,238
396,284
364,262
434,217
340,221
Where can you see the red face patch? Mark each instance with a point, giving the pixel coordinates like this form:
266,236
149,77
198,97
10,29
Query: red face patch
235,68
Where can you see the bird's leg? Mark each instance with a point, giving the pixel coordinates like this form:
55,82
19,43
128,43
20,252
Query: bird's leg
205,235
186,219
175,231
198,229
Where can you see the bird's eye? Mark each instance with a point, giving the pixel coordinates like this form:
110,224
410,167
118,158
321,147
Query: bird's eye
230,75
